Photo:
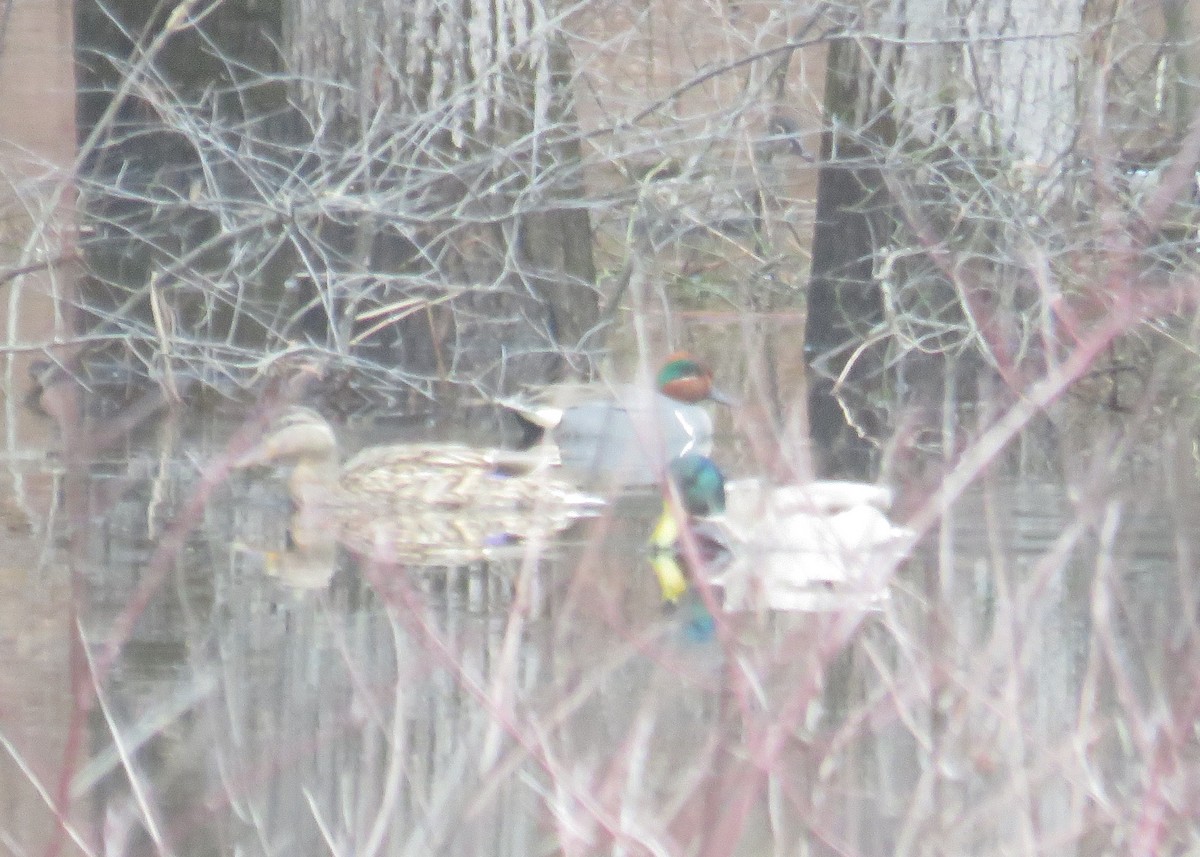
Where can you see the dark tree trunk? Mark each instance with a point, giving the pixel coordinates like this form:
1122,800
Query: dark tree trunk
844,299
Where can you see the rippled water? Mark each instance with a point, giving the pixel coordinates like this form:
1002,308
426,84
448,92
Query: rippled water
238,698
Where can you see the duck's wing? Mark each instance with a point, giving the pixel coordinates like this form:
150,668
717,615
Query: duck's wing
456,475
405,461
453,518
545,406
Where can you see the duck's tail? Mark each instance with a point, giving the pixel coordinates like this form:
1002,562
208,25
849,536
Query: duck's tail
539,414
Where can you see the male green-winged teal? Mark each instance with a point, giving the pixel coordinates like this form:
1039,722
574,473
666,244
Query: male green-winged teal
419,503
815,546
623,434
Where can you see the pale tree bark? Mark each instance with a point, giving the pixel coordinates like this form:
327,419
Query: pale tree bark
463,111
950,127
994,75
38,228
38,269
455,59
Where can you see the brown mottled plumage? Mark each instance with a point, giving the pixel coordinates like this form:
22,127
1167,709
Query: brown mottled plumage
420,504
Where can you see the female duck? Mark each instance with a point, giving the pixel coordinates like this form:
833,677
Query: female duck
420,504
795,547
620,435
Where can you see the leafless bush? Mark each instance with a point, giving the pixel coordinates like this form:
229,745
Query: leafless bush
417,210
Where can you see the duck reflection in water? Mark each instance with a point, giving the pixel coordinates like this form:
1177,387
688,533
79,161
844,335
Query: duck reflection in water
824,545
430,504
301,564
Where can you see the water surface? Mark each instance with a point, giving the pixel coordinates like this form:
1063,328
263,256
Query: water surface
185,683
